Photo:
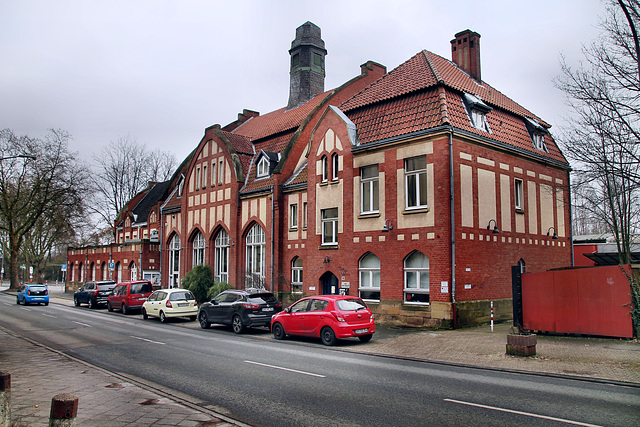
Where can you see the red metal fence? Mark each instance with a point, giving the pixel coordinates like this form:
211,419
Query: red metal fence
589,301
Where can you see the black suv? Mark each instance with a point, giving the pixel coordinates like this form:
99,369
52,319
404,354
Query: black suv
240,309
94,293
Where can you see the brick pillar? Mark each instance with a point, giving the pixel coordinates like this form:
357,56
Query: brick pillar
64,410
5,399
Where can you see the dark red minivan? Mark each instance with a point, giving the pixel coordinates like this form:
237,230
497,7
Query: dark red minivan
129,296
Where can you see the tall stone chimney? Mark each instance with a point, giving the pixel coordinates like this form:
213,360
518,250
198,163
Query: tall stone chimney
307,65
465,52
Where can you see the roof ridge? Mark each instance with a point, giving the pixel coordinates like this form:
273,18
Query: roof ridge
432,66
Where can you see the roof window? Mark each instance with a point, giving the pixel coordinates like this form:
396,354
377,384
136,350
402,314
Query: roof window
537,133
477,111
262,170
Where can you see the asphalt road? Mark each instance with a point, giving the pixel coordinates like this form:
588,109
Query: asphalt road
265,382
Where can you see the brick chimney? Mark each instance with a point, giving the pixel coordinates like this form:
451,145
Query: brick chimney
307,65
465,53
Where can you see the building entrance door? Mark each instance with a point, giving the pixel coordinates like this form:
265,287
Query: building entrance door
329,284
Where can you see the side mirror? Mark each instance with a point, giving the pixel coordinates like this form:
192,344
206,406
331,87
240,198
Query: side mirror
214,302
287,310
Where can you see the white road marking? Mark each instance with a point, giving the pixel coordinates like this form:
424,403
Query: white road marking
528,414
24,308
285,369
144,339
48,315
81,324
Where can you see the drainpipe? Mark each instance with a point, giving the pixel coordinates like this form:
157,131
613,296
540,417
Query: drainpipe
160,241
273,246
570,218
453,231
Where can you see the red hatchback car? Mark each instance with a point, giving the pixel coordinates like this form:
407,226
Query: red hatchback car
128,296
328,317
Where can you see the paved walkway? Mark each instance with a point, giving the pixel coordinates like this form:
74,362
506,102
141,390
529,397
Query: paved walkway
108,399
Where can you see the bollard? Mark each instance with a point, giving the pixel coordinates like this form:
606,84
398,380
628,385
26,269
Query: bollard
64,410
5,399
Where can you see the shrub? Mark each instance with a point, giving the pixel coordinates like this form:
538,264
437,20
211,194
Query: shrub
199,281
217,288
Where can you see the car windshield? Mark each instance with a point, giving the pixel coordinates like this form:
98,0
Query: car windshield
183,295
264,298
354,304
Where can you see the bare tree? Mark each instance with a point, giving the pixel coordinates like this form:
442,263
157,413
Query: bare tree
124,168
603,135
38,177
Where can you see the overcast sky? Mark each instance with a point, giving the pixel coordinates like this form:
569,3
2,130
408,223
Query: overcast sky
161,72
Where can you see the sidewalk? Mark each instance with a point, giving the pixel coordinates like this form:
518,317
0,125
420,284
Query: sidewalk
108,399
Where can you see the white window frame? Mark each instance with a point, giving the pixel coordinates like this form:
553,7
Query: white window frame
221,261
370,204
419,273
296,275
325,168
293,216
331,221
198,249
518,186
479,119
420,177
304,215
369,275
221,172
262,169
335,162
204,176
256,245
213,172
198,179
174,262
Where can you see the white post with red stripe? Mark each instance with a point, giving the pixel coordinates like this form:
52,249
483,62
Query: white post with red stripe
491,316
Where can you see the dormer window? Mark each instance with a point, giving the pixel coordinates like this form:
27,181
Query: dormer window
537,132
262,170
477,111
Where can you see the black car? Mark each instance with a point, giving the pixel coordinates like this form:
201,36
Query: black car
240,309
94,293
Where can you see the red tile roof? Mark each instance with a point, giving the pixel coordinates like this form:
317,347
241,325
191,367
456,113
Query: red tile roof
278,121
425,92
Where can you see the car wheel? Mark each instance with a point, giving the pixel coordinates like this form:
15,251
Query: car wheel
46,303
327,336
237,324
204,321
76,302
17,300
192,318
92,303
109,308
365,338
125,310
278,332
163,317
145,316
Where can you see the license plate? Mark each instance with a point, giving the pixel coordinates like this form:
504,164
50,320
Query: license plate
268,309
183,304
361,331
142,299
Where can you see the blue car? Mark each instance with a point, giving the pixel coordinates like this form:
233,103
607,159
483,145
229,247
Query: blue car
33,294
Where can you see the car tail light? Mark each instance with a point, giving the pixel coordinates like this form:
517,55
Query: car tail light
279,304
168,304
250,306
29,292
46,292
339,317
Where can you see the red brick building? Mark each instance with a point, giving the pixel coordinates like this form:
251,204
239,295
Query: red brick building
416,189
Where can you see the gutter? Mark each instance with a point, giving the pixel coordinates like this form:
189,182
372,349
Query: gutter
273,245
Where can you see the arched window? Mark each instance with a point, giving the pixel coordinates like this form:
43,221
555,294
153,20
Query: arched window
296,275
221,267
174,262
522,266
334,166
369,267
119,272
81,272
92,271
73,272
416,278
255,257
325,169
198,249
133,271
103,271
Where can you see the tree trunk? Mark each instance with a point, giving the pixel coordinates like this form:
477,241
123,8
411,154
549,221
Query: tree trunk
14,283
